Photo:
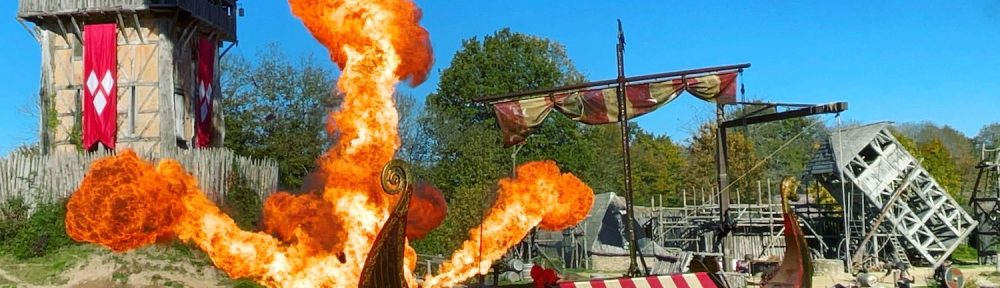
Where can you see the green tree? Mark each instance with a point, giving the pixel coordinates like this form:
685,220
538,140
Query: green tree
468,154
960,149
276,108
604,173
937,161
907,142
415,142
744,171
657,163
791,141
989,135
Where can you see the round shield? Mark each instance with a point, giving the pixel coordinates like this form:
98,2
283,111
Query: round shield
867,280
953,278
514,264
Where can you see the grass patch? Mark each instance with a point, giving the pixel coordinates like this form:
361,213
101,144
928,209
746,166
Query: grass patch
243,283
176,252
7,283
45,270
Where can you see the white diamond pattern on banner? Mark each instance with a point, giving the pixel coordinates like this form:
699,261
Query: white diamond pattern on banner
92,82
206,90
99,102
107,82
100,89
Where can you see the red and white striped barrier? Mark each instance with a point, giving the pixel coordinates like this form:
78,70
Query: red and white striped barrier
693,280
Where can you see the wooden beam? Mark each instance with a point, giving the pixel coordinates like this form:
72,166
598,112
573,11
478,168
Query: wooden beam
801,112
886,207
65,34
33,33
138,27
121,25
186,35
76,26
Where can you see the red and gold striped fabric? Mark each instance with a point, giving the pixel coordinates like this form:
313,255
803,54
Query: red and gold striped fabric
600,106
693,280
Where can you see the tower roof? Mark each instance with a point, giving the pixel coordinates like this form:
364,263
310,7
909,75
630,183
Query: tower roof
848,142
220,15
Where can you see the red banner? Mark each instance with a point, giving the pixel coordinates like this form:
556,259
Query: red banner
600,105
691,280
100,93
206,78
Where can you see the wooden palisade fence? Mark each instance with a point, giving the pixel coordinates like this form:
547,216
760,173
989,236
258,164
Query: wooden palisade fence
57,176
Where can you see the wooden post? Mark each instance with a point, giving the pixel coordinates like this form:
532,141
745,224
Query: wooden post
46,83
165,68
633,269
684,198
721,170
770,209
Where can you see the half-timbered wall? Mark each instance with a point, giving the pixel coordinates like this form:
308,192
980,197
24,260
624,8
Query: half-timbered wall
156,71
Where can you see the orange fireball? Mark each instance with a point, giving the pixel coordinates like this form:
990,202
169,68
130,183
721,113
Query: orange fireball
123,203
321,239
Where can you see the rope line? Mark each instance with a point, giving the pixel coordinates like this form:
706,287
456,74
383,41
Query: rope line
768,157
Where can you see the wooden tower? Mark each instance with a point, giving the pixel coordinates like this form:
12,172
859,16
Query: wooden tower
157,47
890,198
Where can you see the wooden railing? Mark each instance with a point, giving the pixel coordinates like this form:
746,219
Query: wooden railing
52,177
221,17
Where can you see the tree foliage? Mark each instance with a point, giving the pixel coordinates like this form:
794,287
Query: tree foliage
657,163
745,167
468,154
938,162
276,108
41,233
989,135
961,149
787,145
948,155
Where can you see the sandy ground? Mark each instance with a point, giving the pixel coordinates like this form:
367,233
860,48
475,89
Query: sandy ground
163,267
142,268
922,276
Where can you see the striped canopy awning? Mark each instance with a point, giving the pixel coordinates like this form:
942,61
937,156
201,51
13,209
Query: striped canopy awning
600,106
693,280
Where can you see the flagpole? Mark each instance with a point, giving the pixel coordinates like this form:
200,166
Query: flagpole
633,268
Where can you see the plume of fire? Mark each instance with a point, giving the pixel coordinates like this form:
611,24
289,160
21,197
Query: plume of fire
321,239
539,196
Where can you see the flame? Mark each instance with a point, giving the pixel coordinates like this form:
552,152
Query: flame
427,210
322,238
113,190
538,196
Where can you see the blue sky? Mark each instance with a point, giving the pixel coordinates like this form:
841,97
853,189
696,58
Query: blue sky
905,61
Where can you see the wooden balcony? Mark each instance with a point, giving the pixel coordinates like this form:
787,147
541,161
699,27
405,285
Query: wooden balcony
219,14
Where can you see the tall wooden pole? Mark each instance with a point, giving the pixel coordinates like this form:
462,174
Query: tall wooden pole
721,158
633,267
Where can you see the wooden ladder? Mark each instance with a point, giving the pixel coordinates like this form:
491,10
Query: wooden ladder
899,250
